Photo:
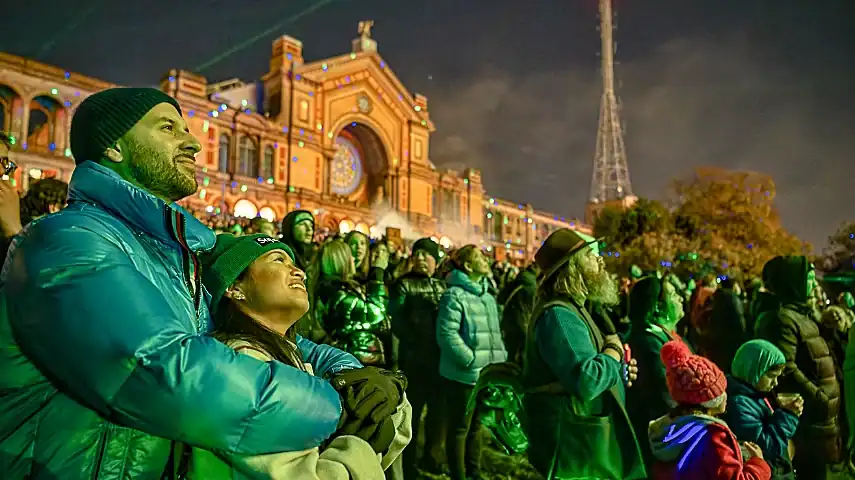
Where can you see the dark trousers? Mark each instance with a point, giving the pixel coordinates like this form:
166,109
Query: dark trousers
424,392
463,444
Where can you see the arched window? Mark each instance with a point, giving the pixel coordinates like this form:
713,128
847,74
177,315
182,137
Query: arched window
266,170
248,162
267,213
246,209
223,164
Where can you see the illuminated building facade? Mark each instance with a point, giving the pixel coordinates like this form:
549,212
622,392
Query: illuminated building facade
341,137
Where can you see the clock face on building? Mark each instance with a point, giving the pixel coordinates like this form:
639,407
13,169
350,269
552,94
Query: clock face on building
364,104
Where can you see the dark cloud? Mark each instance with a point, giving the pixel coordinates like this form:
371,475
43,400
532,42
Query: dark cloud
689,103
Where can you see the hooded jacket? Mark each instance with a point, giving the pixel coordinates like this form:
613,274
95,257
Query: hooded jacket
700,447
753,419
467,329
810,368
105,357
302,251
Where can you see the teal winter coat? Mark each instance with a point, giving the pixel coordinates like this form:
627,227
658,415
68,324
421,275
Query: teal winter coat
468,329
105,361
752,418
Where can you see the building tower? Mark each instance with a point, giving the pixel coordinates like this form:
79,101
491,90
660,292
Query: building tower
610,185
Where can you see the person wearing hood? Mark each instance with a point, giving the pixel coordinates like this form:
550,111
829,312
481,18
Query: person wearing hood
298,232
413,308
517,299
574,370
810,370
750,412
691,442
655,308
469,338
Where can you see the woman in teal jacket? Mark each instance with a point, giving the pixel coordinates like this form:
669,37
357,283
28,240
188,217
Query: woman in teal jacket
105,358
470,338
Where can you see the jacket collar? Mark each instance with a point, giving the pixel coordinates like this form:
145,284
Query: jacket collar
736,386
459,279
95,184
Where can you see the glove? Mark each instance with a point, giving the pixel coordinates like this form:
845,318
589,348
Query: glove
370,392
378,435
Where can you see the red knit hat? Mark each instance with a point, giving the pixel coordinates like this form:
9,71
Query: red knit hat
692,379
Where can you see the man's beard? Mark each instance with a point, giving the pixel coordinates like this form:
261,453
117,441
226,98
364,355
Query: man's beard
602,288
156,172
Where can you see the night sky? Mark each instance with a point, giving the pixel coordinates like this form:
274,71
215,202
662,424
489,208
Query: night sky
514,85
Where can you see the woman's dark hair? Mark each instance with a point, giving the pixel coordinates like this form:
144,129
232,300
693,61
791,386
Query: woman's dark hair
230,323
41,195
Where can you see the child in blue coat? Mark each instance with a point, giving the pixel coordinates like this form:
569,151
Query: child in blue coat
754,414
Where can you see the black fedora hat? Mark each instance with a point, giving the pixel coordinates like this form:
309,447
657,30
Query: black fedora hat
558,249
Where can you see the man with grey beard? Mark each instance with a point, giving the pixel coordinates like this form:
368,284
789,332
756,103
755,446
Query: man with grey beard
574,372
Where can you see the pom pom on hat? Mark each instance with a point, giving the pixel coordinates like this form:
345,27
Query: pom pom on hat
692,379
674,353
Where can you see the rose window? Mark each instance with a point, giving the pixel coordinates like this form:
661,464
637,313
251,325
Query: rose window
345,168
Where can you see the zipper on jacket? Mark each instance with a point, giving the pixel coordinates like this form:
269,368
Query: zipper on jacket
190,264
102,450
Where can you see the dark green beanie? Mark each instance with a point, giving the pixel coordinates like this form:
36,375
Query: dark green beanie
105,116
430,247
230,257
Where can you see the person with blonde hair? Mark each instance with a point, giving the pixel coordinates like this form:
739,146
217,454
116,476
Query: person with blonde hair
352,316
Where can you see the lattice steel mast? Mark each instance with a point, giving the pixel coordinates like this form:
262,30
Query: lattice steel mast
610,182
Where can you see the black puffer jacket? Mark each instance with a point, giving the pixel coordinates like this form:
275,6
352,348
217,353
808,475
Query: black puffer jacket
810,367
517,301
413,306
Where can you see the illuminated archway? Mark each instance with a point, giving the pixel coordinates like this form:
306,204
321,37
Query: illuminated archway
345,226
8,100
267,213
360,164
362,227
46,118
246,209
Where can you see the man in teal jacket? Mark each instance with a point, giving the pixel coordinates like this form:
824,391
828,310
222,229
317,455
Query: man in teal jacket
105,362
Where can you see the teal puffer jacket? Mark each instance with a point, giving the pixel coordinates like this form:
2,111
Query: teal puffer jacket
468,330
110,362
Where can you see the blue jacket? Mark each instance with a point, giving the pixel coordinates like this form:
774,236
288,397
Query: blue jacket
752,419
468,330
111,361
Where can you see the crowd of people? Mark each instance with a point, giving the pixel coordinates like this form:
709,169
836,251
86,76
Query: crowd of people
139,341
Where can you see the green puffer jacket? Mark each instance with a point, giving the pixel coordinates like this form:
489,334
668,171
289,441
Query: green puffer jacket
356,321
105,359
